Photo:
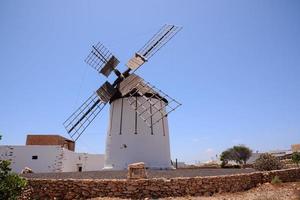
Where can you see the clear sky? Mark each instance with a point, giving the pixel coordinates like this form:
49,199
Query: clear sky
235,67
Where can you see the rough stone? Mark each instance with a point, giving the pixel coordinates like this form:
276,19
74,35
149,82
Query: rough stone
26,170
137,171
151,188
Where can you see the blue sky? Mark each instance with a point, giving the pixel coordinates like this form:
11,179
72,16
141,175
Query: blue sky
235,67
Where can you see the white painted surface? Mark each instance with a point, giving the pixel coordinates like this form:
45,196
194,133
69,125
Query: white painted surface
49,159
124,146
93,162
89,162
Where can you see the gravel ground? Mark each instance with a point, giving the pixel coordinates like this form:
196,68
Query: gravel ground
267,191
151,174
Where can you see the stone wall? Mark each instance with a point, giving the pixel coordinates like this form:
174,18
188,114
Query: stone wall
154,188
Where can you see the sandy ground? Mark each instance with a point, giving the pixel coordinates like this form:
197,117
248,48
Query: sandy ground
151,174
267,191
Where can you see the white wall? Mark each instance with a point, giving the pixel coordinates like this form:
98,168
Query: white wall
50,159
69,161
92,162
89,162
124,147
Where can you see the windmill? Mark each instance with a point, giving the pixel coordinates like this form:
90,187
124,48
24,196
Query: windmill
138,127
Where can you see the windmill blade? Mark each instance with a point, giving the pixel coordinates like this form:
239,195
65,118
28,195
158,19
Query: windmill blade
83,116
152,46
106,92
102,60
153,101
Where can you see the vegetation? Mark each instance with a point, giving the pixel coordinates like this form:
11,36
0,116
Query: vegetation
11,185
267,162
276,180
239,154
296,158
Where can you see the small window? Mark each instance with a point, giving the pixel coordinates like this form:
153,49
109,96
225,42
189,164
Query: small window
34,157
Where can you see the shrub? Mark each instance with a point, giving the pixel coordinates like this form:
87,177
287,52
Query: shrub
276,180
11,185
296,158
267,162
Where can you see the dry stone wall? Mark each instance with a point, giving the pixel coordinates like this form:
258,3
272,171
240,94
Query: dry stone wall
153,188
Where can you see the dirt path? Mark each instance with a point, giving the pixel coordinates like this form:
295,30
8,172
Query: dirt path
267,191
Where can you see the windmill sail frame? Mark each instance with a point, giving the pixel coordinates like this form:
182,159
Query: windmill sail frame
83,116
101,59
127,83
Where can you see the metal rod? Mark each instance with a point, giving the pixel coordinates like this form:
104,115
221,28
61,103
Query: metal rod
145,54
101,57
84,115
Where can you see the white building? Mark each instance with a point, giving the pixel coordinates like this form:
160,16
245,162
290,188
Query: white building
49,158
130,139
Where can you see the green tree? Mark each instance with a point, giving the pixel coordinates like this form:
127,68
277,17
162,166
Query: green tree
239,154
11,184
296,158
242,154
226,156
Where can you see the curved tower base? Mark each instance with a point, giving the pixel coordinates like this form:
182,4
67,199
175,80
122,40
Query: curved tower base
130,139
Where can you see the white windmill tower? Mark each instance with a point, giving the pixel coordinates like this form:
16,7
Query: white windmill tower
138,125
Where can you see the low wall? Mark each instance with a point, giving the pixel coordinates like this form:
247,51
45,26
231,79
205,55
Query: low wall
154,188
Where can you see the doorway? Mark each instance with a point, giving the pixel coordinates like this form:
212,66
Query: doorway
79,168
